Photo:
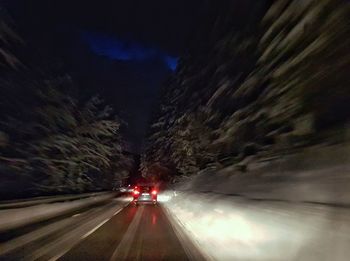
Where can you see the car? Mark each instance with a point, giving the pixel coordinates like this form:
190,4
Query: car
129,188
145,194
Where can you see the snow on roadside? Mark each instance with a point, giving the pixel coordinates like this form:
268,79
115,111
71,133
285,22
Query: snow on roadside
294,207
234,228
14,218
320,174
18,203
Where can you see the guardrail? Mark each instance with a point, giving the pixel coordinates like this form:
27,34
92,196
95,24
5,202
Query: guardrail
19,214
20,203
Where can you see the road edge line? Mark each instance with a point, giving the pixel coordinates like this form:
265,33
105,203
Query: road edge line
87,234
191,247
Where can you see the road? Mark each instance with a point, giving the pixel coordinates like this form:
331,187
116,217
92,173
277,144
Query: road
116,230
225,227
137,233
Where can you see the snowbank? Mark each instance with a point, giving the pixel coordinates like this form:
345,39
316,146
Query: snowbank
282,209
234,228
319,174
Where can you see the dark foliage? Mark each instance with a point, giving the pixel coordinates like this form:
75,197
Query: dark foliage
50,142
258,79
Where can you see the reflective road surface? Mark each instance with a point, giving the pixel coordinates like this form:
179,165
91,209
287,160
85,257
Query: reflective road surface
113,231
137,233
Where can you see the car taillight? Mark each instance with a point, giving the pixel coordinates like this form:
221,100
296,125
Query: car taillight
136,192
154,192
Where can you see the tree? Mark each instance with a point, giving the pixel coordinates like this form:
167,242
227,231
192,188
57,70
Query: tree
50,142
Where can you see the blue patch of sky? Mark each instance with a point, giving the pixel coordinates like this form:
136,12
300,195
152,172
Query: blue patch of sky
171,62
116,49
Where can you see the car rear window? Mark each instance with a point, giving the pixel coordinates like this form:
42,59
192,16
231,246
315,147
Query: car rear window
145,189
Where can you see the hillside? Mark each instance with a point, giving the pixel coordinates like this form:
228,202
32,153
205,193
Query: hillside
273,83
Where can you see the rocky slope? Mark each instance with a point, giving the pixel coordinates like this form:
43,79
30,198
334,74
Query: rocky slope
258,81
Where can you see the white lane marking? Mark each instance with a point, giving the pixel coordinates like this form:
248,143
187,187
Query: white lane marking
73,237
76,215
32,236
115,213
37,234
122,251
95,228
191,247
84,236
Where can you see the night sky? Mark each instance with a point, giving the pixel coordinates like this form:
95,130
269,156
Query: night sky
121,50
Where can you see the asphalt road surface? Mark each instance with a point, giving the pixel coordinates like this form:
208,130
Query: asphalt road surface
113,231
137,233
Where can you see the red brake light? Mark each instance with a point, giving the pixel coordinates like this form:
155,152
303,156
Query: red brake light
136,192
154,192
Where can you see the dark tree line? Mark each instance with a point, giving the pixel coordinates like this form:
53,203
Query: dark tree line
50,141
259,78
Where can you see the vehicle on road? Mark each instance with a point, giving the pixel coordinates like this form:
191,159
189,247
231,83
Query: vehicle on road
145,194
127,188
